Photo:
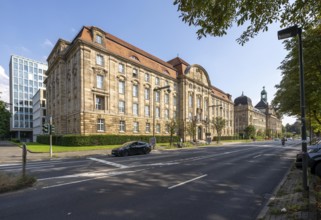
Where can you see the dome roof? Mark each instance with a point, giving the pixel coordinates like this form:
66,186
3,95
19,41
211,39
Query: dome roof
242,100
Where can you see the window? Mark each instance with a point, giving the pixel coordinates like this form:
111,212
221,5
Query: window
99,60
190,116
135,109
146,77
166,113
157,128
100,124
157,81
135,90
122,126
147,129
157,112
136,126
147,110
190,101
174,114
167,128
121,87
100,81
166,83
157,96
175,100
121,68
100,102
121,106
135,73
99,39
147,92
166,97
198,102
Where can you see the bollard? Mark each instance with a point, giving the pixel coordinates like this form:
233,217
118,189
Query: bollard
24,159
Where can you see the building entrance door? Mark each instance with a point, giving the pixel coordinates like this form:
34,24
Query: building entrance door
199,133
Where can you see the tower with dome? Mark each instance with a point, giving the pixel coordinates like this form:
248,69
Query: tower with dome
262,116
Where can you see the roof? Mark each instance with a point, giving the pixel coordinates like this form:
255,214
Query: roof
261,105
177,61
242,100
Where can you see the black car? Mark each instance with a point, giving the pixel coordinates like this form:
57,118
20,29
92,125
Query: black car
311,151
132,148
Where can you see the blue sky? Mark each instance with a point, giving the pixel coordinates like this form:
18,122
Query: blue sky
31,29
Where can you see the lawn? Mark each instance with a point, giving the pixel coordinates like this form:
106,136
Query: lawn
43,148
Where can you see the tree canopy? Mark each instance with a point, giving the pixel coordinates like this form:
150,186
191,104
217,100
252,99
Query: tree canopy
287,97
4,120
215,17
219,125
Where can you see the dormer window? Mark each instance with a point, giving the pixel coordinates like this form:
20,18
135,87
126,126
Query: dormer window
135,58
99,39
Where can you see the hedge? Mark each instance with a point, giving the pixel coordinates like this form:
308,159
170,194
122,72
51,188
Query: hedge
94,140
225,138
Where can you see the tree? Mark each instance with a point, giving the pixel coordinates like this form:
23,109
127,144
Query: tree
215,17
250,131
4,120
219,125
290,83
191,127
172,127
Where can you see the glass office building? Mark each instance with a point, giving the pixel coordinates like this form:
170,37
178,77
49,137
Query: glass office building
26,78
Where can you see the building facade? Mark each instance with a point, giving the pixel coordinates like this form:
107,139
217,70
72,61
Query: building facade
262,116
39,112
26,77
100,84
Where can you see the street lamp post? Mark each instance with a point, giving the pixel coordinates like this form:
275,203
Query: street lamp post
283,34
154,108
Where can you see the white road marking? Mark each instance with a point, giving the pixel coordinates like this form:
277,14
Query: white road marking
182,183
257,156
85,180
108,163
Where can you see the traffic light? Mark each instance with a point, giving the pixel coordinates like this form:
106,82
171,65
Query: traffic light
45,128
52,129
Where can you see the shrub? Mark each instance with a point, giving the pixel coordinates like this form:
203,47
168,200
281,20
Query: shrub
91,140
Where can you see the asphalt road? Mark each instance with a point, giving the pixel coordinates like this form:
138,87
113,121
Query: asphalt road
233,182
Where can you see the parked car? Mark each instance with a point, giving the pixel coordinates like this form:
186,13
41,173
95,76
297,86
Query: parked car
314,161
132,148
311,150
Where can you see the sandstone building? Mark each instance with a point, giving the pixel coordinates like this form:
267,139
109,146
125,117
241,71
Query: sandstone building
100,84
262,116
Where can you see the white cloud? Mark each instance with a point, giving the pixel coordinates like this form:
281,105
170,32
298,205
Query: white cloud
4,85
47,43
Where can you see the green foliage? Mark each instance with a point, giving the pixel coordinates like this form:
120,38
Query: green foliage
290,83
250,131
216,17
191,127
219,124
94,140
173,125
4,120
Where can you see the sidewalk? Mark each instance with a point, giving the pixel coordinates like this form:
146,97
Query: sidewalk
289,202
10,153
